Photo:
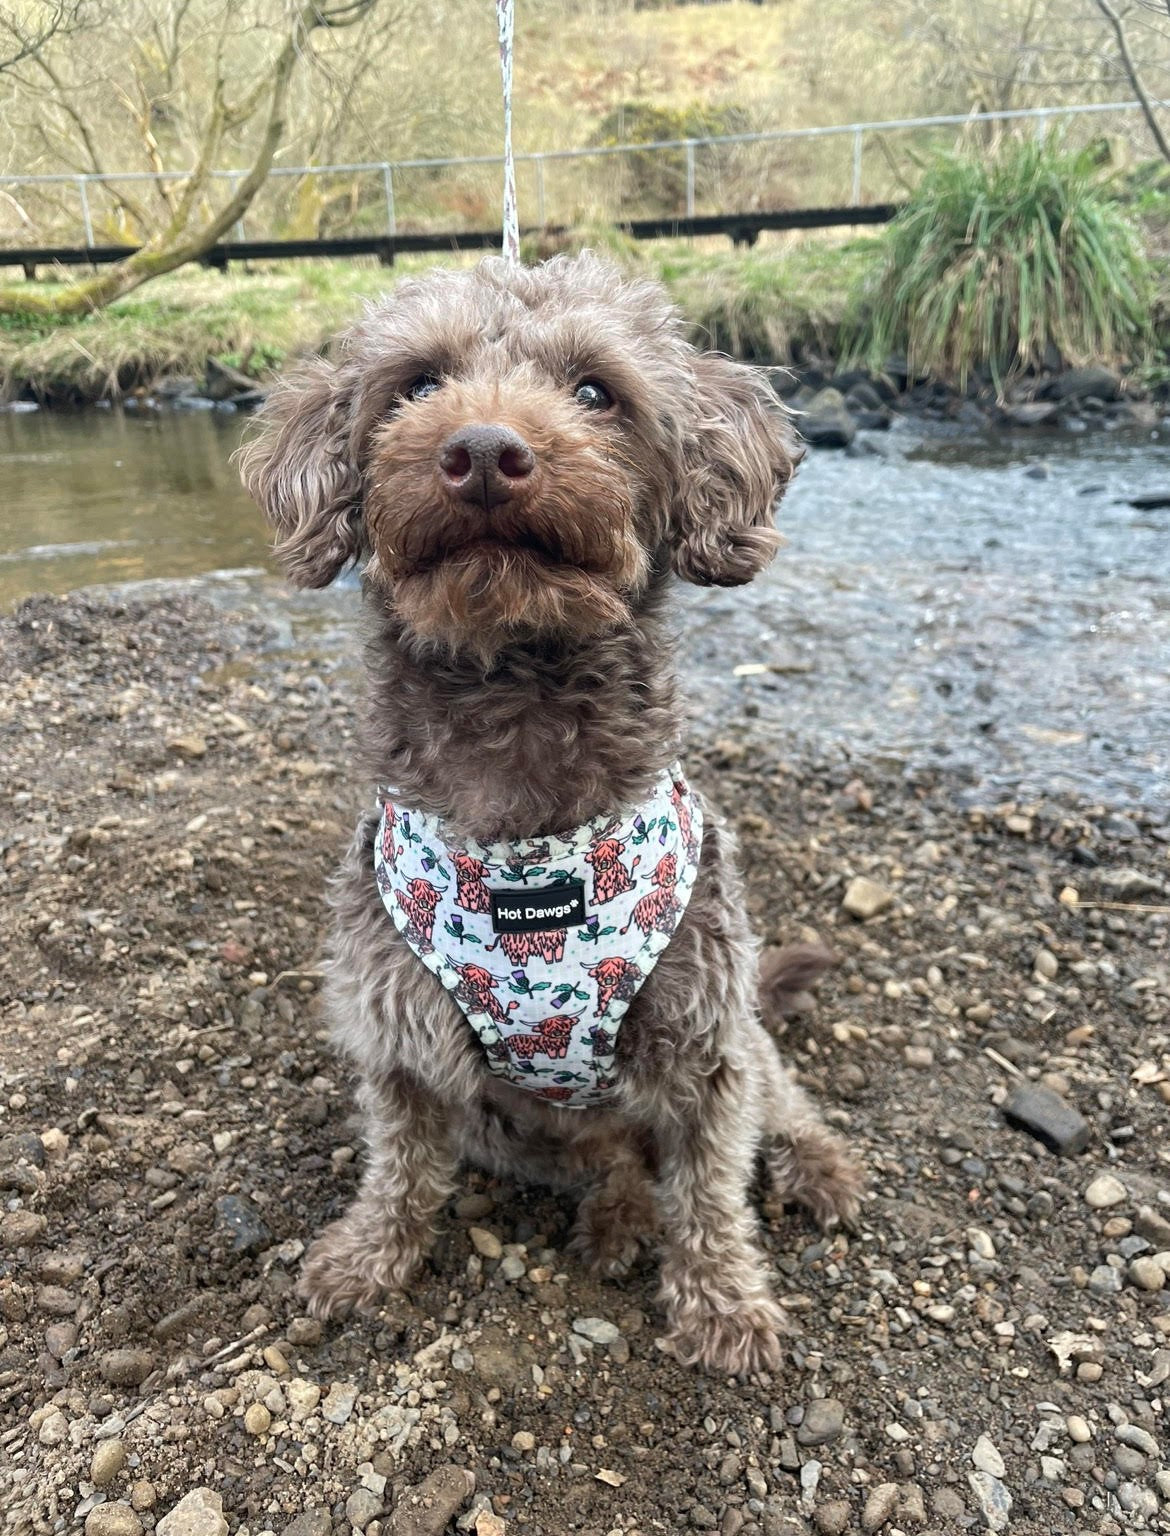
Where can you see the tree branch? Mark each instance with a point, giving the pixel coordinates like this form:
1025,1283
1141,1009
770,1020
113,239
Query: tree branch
1133,74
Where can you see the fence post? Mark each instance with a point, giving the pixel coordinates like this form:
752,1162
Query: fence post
857,168
86,220
388,187
240,221
690,178
540,215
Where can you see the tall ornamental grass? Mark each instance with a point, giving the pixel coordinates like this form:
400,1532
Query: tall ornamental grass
997,260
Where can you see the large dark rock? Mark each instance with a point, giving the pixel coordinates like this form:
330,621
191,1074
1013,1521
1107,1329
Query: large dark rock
1080,383
239,1219
826,422
223,382
1045,1115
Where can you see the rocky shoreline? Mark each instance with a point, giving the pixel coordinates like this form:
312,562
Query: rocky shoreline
990,1350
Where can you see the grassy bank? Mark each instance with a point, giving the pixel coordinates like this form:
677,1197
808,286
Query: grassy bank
754,305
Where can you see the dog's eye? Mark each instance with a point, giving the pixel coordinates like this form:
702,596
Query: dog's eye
424,385
593,396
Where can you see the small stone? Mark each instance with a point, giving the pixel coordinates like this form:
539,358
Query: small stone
22,1229
981,1245
823,1421
125,1367
304,1332
339,1401
1138,1438
596,1329
918,1056
257,1420
833,1519
1105,1280
879,1506
143,1495
864,898
1104,1191
428,1509
54,1428
1090,1370
239,1219
474,1207
522,1441
315,1521
485,1243
995,1502
303,1397
512,1267
115,1519
987,1458
198,1513
1045,964
488,1523
1147,1274
108,1461
1079,1431
189,746
361,1507
60,1339
1049,1118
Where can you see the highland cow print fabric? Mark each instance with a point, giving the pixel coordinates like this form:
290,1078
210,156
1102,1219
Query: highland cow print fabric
544,942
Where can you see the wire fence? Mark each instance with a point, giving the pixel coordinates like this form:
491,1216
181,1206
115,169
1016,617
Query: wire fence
848,163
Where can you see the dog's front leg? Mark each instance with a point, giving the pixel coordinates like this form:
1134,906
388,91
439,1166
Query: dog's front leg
380,1242
719,1305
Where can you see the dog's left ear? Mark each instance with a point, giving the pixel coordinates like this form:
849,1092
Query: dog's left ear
738,458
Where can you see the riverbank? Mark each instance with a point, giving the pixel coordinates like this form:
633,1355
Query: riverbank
174,1128
198,338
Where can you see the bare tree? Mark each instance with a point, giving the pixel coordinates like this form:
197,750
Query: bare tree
24,32
194,215
1118,22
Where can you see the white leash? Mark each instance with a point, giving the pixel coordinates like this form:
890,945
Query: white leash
506,19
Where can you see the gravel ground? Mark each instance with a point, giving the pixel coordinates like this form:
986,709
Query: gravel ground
989,1350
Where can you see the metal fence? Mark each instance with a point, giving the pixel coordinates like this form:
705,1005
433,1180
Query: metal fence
777,169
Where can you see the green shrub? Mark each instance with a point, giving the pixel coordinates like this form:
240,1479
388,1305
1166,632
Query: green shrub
997,261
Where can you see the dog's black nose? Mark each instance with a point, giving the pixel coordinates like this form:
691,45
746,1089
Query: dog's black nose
486,464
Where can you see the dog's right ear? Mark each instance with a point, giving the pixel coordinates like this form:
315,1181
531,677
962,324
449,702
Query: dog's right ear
301,469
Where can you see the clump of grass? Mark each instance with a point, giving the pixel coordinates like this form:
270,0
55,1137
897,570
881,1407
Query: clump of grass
997,261
605,239
773,305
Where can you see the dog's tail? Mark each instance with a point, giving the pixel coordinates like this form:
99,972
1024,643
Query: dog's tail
787,972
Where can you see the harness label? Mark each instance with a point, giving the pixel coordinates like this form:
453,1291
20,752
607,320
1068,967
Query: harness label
527,911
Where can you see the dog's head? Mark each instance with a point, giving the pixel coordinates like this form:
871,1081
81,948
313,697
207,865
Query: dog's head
512,453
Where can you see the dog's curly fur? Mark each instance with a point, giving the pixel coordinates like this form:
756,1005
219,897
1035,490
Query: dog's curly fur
521,683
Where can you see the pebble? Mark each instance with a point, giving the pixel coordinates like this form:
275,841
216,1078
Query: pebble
257,1420
833,1518
22,1229
1045,965
198,1513
523,1440
361,1507
339,1401
54,1428
918,1056
1153,1226
116,1519
125,1367
864,898
303,1397
60,1338
512,1267
1104,1191
108,1461
1079,1430
1137,1437
1147,1274
1048,1117
981,1244
987,1458
428,1509
486,1243
823,1421
315,1521
304,1331
239,1219
879,1506
596,1329
143,1495
995,1502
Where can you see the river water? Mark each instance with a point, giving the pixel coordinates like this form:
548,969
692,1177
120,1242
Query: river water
992,605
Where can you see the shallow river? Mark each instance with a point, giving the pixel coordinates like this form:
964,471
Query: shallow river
942,603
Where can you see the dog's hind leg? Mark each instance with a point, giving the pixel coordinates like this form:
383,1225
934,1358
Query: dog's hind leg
380,1242
805,1160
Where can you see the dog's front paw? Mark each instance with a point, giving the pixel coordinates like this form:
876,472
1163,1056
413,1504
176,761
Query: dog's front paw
343,1274
740,1342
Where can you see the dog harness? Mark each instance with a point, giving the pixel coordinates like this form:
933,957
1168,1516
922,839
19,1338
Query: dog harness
544,942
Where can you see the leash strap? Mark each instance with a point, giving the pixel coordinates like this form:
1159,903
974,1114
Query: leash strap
506,19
